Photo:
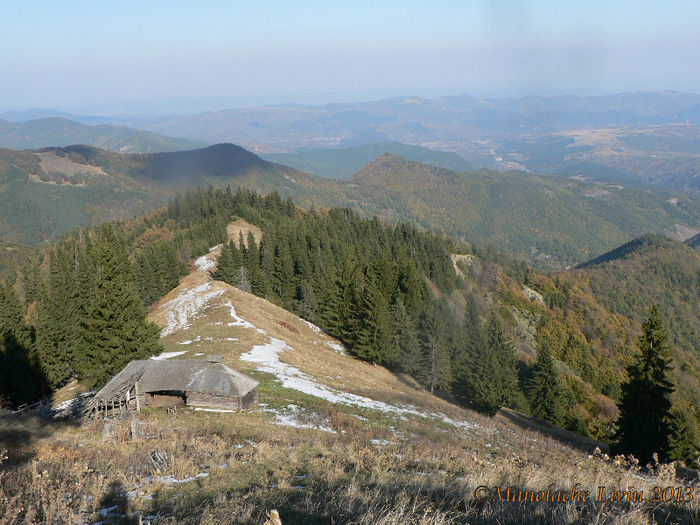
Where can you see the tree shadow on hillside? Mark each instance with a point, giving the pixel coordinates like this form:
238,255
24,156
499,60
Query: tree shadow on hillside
332,503
114,507
562,435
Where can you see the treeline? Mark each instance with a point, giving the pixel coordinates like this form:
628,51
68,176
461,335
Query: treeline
390,293
81,310
385,291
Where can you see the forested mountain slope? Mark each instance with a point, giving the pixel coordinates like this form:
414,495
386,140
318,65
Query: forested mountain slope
59,132
552,222
333,438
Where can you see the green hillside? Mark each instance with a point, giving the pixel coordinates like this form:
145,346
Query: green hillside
344,163
551,221
57,132
46,193
650,270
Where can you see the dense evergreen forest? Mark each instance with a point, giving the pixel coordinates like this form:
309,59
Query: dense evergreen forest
391,293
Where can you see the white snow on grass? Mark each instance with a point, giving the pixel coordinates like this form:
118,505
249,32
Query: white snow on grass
238,321
292,417
215,410
189,342
198,354
167,355
312,326
268,360
172,479
205,263
186,306
336,347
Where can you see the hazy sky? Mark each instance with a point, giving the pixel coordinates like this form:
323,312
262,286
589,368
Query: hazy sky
106,55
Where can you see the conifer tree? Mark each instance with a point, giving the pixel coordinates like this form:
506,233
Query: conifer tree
544,388
435,358
57,314
21,377
404,340
373,335
684,442
114,330
497,385
643,426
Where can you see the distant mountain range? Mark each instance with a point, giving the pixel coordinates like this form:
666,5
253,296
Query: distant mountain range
552,222
58,132
631,138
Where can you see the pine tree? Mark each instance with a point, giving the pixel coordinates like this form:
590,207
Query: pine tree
544,388
435,359
684,442
643,424
404,338
113,328
497,383
21,377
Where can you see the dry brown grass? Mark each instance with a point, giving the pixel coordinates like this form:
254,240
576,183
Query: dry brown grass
373,468
253,466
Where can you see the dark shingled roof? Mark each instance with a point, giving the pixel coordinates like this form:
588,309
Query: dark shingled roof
186,375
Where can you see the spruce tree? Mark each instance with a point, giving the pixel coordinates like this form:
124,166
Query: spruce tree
113,328
435,373
684,442
404,339
643,426
373,330
497,384
21,377
544,388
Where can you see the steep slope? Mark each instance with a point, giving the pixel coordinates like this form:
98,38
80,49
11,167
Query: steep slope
694,242
650,270
551,221
344,163
48,192
333,439
58,132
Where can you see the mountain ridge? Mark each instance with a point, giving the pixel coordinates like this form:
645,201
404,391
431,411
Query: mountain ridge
61,132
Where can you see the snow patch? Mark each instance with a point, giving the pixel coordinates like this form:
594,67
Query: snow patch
205,263
312,326
336,347
215,410
237,320
291,418
172,479
189,342
186,306
268,360
168,355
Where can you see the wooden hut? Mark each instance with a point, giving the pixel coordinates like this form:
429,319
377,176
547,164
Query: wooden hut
185,382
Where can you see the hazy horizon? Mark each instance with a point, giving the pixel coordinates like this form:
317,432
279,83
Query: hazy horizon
173,56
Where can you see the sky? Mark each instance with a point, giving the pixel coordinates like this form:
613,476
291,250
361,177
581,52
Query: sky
142,56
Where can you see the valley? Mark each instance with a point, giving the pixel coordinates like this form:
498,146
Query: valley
551,222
